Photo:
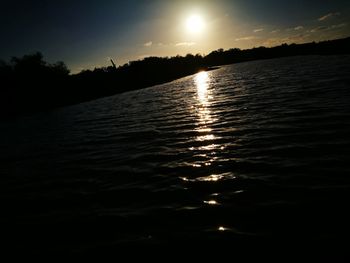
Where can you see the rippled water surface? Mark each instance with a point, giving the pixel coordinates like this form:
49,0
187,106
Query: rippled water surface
247,152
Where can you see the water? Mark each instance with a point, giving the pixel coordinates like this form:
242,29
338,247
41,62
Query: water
247,153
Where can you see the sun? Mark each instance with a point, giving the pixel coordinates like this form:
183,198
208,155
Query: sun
195,24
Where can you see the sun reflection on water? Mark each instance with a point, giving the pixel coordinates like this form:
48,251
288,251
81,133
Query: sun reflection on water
202,82
205,119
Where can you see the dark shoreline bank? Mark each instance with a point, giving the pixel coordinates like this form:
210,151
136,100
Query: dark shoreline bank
31,85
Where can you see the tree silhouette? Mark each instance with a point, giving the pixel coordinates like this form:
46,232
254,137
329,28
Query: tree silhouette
30,83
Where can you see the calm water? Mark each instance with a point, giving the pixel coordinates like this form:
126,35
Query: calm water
246,153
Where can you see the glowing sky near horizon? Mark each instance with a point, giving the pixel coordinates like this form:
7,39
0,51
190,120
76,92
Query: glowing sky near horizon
85,34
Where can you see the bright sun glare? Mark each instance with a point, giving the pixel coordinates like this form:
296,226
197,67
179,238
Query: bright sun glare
195,24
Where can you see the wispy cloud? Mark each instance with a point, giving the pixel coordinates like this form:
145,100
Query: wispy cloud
337,26
270,42
160,44
332,27
185,44
148,44
246,38
330,15
294,28
275,31
299,38
319,28
258,30
298,28
144,56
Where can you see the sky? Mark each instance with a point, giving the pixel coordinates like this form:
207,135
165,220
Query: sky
86,34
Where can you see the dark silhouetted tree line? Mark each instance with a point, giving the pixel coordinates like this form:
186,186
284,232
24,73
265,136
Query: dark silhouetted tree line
31,84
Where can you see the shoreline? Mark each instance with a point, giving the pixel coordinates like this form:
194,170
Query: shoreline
30,90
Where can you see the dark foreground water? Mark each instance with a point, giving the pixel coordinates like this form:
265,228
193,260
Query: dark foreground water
239,156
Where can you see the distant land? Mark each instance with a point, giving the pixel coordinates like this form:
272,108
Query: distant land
29,84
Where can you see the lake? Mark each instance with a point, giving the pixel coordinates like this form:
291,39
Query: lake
248,153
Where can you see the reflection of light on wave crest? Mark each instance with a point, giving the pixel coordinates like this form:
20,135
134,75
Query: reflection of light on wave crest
202,81
211,178
202,84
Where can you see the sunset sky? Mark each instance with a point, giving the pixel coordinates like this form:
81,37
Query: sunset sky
85,34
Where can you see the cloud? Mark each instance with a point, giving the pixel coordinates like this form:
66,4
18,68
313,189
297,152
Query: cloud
272,42
185,44
295,28
246,38
275,31
298,28
148,44
321,28
258,30
160,44
144,56
299,38
330,15
337,26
